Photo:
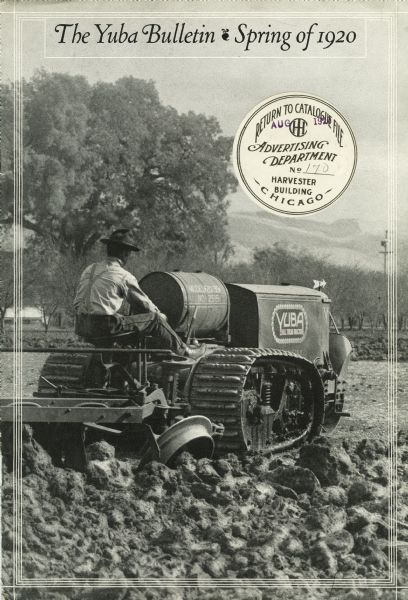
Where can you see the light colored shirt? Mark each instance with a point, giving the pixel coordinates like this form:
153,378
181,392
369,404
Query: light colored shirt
104,285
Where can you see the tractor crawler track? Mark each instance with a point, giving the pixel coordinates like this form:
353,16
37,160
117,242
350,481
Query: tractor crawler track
66,370
216,390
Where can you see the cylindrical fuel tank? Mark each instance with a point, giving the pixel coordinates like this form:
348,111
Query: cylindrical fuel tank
179,295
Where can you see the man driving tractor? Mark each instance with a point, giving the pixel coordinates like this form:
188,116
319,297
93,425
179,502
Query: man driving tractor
102,288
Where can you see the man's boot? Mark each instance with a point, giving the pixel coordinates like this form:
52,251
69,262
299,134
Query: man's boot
196,352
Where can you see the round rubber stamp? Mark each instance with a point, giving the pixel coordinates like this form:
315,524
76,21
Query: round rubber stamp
295,154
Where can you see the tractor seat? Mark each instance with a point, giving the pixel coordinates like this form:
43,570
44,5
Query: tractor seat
110,341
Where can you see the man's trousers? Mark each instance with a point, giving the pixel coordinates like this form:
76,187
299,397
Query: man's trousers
149,324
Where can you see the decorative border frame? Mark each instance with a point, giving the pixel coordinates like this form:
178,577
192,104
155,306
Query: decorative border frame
19,581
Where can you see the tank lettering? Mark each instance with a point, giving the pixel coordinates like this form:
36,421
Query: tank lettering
205,294
213,298
203,289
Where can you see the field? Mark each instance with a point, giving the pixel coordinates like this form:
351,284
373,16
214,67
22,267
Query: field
319,512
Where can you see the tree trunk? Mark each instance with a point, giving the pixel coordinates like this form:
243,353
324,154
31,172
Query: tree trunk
401,322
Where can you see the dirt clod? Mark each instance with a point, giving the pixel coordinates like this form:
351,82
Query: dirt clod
100,451
301,480
329,462
360,491
323,558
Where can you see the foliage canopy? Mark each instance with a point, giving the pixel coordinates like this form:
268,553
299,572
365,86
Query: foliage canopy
101,156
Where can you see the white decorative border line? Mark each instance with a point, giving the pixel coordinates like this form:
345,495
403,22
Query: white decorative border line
18,579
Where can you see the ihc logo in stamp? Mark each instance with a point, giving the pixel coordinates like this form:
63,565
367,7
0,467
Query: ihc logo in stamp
294,154
298,127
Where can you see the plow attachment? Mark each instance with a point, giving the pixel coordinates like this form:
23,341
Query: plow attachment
193,434
63,430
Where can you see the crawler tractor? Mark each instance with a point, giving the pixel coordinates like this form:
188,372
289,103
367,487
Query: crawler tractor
273,375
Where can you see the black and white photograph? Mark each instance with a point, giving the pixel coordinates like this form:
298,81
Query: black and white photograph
204,300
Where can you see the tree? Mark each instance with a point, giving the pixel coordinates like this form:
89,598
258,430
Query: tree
6,274
6,171
171,172
402,299
357,294
6,285
98,157
279,264
51,279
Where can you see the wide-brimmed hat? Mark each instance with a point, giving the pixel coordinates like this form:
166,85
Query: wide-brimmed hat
122,238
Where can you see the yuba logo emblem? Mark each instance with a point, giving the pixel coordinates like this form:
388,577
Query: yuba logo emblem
289,323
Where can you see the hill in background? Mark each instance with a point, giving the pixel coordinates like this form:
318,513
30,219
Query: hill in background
342,242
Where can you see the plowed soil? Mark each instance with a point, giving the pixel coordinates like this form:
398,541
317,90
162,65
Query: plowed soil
319,513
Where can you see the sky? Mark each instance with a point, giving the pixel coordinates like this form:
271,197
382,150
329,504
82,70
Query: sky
229,88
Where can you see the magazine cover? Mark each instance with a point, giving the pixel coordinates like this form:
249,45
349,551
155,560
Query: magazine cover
203,300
